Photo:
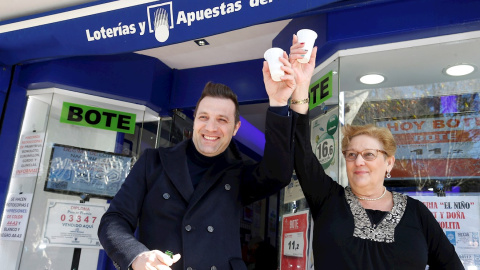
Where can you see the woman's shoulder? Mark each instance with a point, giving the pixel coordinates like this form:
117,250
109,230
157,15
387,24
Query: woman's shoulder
414,202
419,208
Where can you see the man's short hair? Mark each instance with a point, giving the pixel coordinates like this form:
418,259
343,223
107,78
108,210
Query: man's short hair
219,90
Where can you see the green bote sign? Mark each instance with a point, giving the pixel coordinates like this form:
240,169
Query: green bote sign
87,116
320,91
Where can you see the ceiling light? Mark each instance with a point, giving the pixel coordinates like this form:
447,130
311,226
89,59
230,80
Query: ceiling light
372,79
460,70
201,42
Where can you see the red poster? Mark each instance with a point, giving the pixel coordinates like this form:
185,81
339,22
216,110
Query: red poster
295,230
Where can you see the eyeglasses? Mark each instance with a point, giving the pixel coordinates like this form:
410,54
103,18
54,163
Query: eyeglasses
367,154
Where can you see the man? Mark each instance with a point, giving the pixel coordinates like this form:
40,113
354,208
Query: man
188,199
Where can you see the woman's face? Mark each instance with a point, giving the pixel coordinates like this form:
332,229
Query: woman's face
367,175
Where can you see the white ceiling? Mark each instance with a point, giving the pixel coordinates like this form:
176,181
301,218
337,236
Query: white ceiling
234,46
412,63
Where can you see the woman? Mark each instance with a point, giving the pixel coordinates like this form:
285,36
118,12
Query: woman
362,226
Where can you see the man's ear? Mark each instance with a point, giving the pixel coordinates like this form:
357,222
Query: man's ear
237,126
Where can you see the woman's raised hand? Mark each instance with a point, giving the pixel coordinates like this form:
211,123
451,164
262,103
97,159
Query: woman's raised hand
303,74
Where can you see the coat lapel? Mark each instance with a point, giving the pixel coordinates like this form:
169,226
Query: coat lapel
214,173
174,162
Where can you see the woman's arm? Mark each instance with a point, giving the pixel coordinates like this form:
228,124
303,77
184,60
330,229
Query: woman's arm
316,185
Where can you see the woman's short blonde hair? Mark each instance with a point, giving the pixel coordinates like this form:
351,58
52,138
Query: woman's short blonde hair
383,135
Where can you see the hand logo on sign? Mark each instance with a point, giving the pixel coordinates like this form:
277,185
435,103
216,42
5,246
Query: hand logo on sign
161,25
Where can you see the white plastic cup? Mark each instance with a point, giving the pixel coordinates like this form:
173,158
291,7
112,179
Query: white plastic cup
272,56
308,37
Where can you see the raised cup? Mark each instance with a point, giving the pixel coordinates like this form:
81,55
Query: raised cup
308,37
272,56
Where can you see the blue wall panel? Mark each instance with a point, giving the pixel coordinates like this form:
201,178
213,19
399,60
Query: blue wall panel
382,23
14,110
5,76
317,23
127,77
244,78
401,16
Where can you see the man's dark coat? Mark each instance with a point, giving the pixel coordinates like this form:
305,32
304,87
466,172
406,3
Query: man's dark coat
201,224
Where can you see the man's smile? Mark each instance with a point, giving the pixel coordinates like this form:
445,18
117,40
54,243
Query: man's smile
209,138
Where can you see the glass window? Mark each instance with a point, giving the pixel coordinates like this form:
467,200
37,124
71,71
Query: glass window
435,120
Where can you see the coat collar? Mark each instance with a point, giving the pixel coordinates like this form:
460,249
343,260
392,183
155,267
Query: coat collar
174,160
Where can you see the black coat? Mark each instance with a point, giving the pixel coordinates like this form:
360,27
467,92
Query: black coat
201,224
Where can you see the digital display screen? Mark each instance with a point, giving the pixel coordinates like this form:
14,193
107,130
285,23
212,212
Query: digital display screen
80,171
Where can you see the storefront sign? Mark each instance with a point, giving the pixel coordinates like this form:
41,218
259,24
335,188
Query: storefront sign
295,239
15,216
442,146
29,154
70,224
459,218
321,90
124,26
87,116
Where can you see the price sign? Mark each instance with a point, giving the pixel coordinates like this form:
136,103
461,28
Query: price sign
293,244
325,149
295,228
323,135
71,224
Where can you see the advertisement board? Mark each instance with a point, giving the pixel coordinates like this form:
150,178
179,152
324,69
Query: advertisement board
15,216
72,224
444,146
459,218
79,171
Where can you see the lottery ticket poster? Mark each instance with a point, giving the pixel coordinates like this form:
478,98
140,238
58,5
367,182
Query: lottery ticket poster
296,235
72,224
459,218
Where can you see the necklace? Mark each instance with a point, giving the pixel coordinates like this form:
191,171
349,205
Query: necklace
367,199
